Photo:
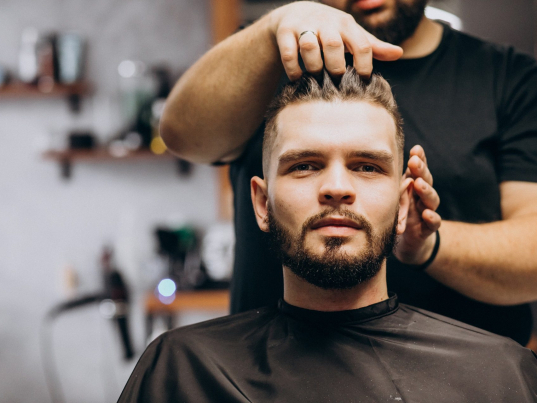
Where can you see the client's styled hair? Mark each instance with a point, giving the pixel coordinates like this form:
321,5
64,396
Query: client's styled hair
375,90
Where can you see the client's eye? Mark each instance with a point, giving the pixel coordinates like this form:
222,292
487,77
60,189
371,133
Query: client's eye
367,168
302,167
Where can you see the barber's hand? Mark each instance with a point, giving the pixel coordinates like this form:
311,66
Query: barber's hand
337,33
416,244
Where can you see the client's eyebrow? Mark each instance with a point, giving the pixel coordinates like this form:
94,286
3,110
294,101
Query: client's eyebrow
295,155
380,156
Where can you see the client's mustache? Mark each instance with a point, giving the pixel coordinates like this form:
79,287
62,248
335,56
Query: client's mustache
359,220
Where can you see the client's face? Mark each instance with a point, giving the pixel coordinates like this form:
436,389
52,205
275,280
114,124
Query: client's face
333,191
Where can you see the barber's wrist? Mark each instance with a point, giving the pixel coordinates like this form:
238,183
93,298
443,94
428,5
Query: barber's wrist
433,246
265,35
272,21
421,258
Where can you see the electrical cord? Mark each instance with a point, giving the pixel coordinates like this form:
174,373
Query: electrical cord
120,309
108,374
50,370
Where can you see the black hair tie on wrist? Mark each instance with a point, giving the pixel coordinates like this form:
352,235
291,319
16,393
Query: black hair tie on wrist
423,266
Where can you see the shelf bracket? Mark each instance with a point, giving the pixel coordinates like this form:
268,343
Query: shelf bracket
74,101
66,169
184,168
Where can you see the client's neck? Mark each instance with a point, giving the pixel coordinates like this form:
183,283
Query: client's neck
300,293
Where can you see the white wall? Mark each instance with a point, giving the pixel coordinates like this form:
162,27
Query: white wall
46,223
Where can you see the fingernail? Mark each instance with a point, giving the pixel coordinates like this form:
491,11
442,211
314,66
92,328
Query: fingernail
424,187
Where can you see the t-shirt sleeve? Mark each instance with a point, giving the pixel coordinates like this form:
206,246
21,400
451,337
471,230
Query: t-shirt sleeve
518,119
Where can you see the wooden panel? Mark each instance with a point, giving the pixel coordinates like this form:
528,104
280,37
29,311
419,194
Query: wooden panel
226,17
225,202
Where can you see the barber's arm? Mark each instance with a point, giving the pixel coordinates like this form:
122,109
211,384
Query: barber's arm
495,262
220,101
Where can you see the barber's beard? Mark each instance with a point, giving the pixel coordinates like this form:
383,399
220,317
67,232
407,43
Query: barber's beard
333,269
400,26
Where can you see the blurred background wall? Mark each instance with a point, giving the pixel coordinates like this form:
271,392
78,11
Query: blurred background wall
50,227
47,223
510,22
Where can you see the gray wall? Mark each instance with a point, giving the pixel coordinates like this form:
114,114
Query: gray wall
46,223
509,22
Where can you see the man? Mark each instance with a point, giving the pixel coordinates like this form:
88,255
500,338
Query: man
470,104
333,199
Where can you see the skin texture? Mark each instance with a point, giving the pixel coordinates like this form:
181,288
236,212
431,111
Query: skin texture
493,263
300,185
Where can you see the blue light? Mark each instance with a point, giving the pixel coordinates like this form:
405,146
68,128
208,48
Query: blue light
166,287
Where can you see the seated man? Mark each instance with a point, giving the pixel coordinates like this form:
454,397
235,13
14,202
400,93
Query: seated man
334,199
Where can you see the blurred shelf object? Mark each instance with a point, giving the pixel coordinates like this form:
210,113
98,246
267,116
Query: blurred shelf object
72,92
66,158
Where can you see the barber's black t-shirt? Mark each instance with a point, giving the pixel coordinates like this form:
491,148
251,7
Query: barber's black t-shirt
472,105
385,352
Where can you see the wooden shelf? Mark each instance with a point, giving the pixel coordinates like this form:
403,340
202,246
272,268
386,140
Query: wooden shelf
189,300
34,91
102,154
73,92
184,301
68,157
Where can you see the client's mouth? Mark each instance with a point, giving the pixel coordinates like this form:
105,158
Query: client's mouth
336,222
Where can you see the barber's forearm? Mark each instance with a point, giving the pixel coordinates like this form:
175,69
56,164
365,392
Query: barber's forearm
494,263
220,101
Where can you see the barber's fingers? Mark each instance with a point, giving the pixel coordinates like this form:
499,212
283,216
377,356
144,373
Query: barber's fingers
358,44
428,197
333,43
366,47
383,51
419,169
431,222
287,43
419,151
310,51
333,51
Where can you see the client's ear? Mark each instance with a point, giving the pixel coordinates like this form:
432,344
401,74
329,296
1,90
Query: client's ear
404,204
258,188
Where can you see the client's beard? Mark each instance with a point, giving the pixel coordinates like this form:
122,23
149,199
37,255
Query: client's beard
399,27
333,269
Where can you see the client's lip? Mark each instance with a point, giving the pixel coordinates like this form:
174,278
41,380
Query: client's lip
336,222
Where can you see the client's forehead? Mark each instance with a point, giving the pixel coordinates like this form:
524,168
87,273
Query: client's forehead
334,127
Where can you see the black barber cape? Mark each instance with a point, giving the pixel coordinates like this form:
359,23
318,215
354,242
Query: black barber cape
386,352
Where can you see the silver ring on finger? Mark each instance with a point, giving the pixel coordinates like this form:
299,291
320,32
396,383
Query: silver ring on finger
306,32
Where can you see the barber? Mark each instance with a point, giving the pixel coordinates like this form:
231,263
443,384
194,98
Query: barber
472,105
